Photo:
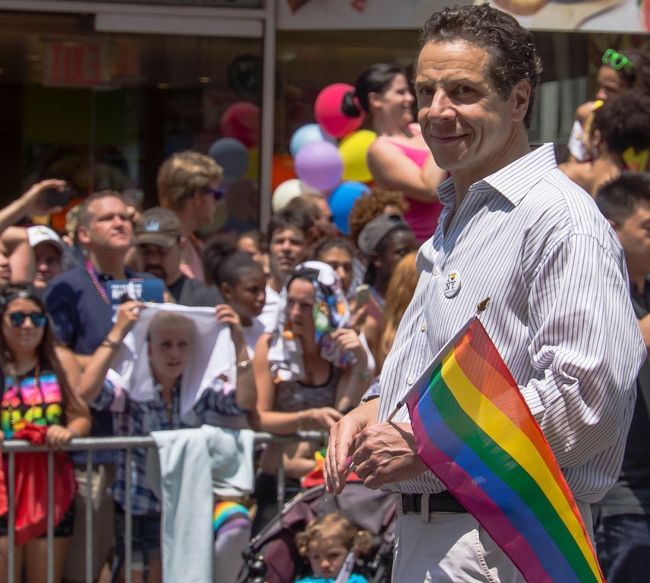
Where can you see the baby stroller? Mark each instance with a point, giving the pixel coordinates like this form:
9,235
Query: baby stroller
273,557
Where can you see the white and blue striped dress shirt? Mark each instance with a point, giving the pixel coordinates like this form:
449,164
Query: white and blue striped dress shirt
560,315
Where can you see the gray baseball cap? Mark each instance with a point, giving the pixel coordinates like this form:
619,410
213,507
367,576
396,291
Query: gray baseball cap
372,234
157,226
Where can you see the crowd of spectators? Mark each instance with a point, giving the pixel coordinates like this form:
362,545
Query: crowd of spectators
302,306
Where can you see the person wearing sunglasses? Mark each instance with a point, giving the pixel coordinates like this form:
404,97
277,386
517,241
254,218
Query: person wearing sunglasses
619,72
37,380
189,184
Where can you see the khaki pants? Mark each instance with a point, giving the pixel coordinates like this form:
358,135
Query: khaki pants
102,533
446,547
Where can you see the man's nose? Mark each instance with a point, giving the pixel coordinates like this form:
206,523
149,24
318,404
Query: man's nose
441,106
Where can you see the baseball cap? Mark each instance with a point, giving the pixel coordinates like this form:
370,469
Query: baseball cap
157,226
42,234
372,234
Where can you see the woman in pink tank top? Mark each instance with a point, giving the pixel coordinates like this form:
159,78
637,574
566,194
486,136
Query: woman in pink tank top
399,159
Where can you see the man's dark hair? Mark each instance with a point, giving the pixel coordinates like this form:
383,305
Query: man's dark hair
85,215
618,199
290,218
624,122
511,47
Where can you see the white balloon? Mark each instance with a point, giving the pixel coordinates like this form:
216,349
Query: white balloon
288,190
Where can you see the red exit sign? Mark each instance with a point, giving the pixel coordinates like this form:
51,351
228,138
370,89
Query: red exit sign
75,63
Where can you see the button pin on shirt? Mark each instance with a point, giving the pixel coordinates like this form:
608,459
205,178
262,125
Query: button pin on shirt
452,285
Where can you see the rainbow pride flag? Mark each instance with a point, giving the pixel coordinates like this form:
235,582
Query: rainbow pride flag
475,432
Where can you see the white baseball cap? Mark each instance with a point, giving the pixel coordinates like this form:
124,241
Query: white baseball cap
42,234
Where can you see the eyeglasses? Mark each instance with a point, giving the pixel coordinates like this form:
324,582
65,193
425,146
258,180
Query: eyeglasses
17,319
616,60
216,192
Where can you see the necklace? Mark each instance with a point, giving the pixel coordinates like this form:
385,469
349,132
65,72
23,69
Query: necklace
92,273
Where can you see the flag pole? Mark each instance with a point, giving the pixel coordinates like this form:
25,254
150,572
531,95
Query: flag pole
480,308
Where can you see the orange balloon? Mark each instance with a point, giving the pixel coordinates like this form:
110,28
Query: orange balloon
283,169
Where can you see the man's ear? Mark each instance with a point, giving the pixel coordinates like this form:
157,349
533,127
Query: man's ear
520,98
83,234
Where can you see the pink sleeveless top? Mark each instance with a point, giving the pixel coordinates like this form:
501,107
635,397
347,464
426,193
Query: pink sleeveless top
422,217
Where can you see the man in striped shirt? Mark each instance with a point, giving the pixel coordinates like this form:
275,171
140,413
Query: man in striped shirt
516,229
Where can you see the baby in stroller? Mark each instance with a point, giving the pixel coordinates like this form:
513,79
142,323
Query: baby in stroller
331,543
275,556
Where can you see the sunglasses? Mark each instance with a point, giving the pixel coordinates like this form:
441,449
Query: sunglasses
216,192
17,319
615,60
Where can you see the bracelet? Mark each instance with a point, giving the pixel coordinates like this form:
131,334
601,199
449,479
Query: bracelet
244,365
110,343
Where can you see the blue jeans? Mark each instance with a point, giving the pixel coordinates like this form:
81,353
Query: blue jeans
623,547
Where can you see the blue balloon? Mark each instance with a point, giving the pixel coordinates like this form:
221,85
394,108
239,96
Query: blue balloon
342,200
231,155
307,134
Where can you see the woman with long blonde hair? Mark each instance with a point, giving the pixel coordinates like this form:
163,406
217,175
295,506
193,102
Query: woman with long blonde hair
398,296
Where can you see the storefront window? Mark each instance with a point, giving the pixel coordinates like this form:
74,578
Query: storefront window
103,110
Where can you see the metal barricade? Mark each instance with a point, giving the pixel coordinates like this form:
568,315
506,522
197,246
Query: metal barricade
90,444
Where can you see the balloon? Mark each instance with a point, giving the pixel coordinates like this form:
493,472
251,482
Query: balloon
307,134
282,169
354,151
253,170
231,155
319,164
241,121
342,200
289,190
329,113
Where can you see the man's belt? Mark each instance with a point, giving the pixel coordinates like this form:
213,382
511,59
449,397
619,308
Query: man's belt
441,502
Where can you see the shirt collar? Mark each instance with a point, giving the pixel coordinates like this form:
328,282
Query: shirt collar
513,181
517,178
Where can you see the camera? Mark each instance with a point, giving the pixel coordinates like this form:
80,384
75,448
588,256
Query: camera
55,197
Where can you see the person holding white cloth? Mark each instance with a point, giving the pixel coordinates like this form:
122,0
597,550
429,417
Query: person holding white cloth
161,378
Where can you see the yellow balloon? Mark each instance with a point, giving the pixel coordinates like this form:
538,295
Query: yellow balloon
353,150
253,171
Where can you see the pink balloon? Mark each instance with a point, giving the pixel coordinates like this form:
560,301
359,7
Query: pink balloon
320,165
329,113
241,121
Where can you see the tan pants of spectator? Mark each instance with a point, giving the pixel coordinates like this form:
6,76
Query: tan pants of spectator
75,564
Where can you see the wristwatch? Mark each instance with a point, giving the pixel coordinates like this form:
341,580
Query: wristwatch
369,398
